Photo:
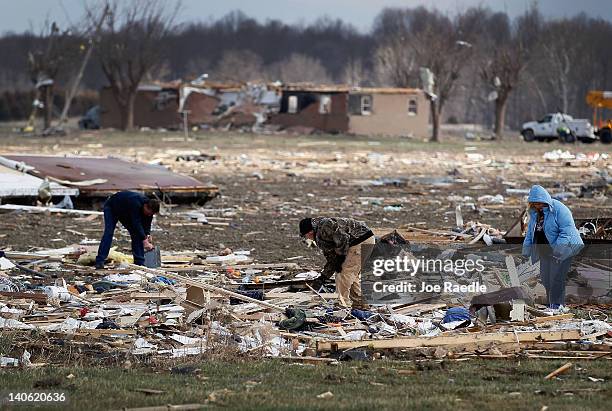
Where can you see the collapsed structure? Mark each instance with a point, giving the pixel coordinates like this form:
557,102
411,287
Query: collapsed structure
362,111
322,108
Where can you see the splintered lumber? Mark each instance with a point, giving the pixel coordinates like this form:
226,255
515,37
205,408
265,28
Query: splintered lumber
305,359
37,297
518,306
558,317
98,332
413,342
208,287
36,209
558,371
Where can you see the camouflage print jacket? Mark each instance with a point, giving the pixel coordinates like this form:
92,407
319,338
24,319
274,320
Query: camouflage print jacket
334,236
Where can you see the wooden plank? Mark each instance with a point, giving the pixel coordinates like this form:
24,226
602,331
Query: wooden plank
306,359
412,342
97,332
559,370
518,306
38,297
418,309
152,296
558,317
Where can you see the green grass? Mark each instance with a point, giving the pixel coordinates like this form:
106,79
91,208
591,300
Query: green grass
268,384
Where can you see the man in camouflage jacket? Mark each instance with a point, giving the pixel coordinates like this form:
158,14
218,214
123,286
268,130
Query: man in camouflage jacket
340,240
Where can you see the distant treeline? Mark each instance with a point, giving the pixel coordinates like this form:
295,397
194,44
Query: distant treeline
567,58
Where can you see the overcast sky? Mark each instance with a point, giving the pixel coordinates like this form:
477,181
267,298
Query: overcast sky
20,15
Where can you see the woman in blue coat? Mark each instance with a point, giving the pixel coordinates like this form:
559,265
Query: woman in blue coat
552,238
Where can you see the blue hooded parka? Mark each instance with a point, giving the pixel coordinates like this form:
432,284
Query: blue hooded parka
559,227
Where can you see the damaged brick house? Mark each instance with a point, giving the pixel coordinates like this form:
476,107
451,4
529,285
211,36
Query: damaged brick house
156,106
365,111
163,105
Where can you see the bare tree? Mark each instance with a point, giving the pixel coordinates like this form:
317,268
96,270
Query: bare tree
300,68
427,40
239,65
46,64
130,44
395,62
502,71
558,57
354,72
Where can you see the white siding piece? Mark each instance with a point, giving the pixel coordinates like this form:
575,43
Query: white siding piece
14,183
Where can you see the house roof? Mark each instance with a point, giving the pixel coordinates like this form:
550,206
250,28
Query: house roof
384,90
113,174
342,88
315,88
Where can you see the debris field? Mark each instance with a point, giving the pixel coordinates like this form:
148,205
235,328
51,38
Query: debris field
234,275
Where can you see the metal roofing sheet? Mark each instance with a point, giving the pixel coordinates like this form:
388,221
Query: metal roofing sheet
119,174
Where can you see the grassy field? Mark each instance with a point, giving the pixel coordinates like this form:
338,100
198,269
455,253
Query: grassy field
269,384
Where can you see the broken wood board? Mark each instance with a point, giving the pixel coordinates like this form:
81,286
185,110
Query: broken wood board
37,297
412,342
549,318
96,332
518,306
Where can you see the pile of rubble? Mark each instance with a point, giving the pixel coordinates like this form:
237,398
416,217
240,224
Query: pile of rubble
199,302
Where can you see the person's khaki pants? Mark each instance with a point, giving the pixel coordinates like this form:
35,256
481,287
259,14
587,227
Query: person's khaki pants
348,282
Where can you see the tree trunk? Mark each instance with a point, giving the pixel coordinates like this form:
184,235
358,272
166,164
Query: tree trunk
130,111
435,120
48,110
500,115
127,110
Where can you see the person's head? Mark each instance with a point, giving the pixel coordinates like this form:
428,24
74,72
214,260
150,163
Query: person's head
538,206
151,207
306,229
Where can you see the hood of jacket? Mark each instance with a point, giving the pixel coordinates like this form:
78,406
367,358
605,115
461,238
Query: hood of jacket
538,194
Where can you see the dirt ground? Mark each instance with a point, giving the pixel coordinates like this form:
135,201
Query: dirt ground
269,182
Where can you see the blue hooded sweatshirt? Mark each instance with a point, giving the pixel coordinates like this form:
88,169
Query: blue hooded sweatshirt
559,227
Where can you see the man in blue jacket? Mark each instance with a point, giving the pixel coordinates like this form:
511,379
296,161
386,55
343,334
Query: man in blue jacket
135,211
551,238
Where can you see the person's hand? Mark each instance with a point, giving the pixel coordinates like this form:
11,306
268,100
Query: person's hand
148,246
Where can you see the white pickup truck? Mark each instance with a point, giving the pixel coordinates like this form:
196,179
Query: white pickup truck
548,127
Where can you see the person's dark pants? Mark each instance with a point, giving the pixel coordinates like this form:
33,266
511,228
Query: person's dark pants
553,273
110,223
137,249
